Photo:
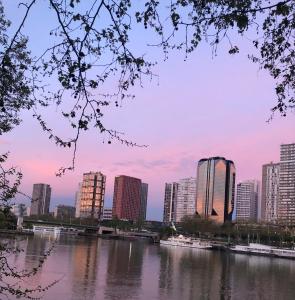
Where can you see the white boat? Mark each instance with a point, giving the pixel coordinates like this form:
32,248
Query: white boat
286,253
182,241
46,230
260,249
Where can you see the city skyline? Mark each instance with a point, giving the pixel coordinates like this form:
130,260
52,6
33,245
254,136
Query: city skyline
247,200
71,201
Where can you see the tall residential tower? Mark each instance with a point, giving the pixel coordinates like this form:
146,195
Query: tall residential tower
286,203
78,200
143,198
186,198
130,198
270,192
91,197
247,204
40,199
170,202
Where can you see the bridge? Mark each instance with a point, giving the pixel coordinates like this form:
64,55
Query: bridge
97,230
54,223
155,237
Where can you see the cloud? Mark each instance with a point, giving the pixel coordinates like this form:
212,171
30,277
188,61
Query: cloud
145,163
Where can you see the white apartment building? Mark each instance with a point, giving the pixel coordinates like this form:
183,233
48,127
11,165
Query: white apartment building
247,204
185,198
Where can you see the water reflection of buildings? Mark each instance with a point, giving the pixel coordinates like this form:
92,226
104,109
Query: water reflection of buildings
36,247
259,277
35,250
124,270
85,261
193,274
201,274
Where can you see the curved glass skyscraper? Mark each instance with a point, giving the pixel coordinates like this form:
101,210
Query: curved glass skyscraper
216,188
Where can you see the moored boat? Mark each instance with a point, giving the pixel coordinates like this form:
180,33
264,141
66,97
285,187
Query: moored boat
260,249
182,241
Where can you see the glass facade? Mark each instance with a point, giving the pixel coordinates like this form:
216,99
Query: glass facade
216,189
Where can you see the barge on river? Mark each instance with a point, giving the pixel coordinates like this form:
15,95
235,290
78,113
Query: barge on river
260,249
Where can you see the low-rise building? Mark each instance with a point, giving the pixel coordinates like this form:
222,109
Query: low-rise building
64,212
19,210
107,214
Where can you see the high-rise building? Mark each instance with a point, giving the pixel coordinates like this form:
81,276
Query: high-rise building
78,200
92,195
129,201
270,192
40,199
286,203
170,202
185,198
143,204
247,204
216,188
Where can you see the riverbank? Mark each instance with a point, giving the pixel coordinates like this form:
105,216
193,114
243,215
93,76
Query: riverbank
15,232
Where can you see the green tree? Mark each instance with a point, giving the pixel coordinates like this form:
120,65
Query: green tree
12,278
196,225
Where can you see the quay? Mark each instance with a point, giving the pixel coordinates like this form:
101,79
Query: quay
15,232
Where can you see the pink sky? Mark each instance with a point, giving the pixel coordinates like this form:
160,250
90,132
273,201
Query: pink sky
193,113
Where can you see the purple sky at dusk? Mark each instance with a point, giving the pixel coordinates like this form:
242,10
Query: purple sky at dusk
202,107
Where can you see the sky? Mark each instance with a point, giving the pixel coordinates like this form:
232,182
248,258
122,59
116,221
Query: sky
204,106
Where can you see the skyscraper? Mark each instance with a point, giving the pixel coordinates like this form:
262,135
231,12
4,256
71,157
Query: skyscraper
270,191
40,199
185,198
130,197
286,203
247,204
143,204
92,195
170,202
216,188
78,200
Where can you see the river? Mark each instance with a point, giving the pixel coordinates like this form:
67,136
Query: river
88,268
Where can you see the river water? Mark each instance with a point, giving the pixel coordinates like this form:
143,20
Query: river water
90,268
